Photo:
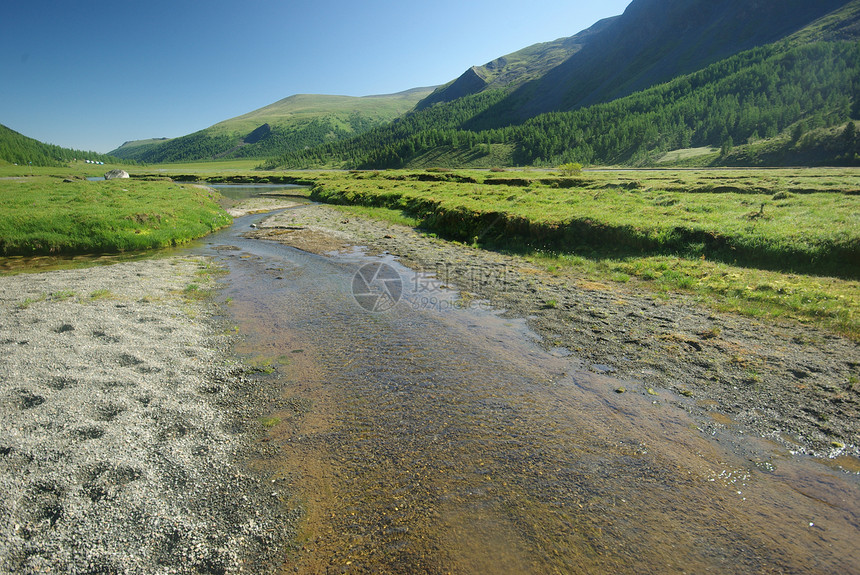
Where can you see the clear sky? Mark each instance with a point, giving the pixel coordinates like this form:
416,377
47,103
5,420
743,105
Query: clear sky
93,74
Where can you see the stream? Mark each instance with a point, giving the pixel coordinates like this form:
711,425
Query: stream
423,433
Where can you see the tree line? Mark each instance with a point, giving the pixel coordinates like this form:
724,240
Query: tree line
755,95
206,144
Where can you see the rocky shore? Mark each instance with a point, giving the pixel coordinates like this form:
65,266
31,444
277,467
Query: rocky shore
795,384
126,426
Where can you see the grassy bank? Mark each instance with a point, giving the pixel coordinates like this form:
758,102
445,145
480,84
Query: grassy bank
54,215
806,227
766,243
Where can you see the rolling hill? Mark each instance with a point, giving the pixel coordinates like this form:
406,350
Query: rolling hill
294,123
664,75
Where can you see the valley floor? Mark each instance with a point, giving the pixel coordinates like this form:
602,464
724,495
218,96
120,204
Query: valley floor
126,417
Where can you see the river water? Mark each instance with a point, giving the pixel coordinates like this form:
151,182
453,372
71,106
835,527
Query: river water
420,435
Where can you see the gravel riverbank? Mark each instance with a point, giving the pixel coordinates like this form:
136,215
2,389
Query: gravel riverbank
125,427
793,383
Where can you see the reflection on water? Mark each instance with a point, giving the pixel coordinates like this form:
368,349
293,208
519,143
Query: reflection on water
433,439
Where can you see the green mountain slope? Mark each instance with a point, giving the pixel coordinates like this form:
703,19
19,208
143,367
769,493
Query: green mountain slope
18,149
723,73
806,81
294,123
312,106
137,148
393,143
758,94
653,42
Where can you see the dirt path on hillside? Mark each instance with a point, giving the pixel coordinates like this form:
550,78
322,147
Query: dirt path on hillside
794,384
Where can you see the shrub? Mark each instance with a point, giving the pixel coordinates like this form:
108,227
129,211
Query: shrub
571,169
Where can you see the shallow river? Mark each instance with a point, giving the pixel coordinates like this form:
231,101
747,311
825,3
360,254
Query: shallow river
419,438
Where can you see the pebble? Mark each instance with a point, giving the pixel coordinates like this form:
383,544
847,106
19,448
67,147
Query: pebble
88,455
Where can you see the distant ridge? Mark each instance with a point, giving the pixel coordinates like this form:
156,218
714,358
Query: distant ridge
293,123
514,69
781,101
752,57
382,107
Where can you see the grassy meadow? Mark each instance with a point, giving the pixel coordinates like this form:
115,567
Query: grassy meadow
50,214
766,243
202,170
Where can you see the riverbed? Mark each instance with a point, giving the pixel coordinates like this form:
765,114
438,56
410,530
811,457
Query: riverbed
350,396
424,429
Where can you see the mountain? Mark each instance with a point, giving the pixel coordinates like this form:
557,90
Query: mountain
16,148
739,71
294,123
807,80
381,108
135,148
652,42
512,70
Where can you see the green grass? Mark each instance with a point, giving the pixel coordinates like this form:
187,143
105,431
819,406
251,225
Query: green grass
785,263
47,215
74,169
304,107
27,302
765,243
204,169
678,157
194,292
772,222
62,295
296,122
101,294
829,302
398,217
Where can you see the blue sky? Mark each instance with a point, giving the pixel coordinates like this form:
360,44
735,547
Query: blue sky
90,75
